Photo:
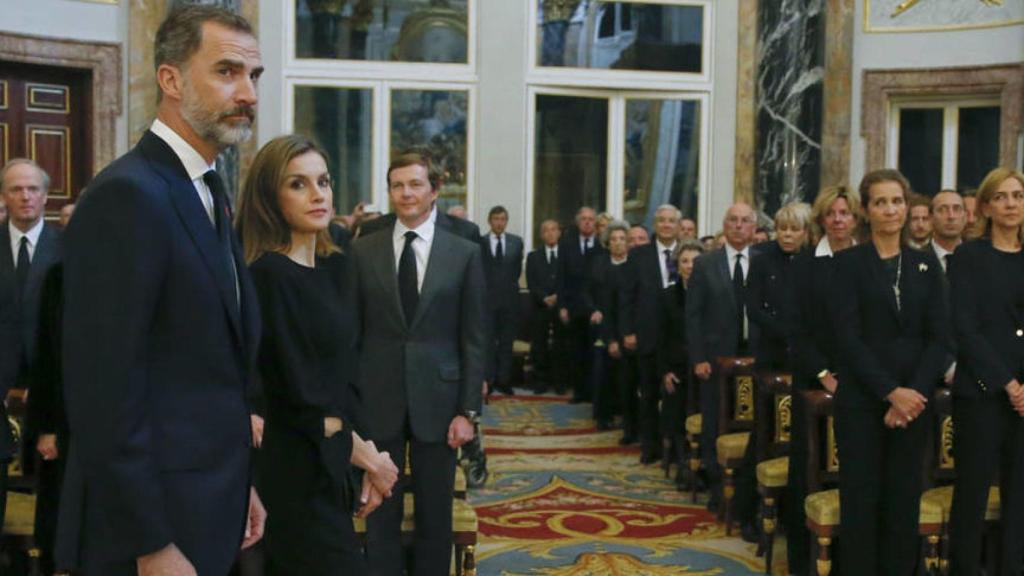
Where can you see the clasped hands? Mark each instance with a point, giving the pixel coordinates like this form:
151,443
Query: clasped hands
380,477
1016,393
906,404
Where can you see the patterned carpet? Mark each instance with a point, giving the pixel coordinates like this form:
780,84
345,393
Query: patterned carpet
564,499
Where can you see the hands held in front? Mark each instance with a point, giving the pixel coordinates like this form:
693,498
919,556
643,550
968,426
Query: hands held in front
550,300
669,381
596,317
371,498
460,431
907,404
614,350
629,341
563,315
167,561
47,446
256,422
702,370
257,520
382,473
1016,393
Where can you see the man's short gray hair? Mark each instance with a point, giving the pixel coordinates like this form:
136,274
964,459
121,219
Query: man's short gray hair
25,162
670,208
181,32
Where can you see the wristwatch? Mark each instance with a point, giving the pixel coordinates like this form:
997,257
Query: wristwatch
472,415
823,373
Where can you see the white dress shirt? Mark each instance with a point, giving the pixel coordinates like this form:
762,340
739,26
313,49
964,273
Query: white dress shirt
824,249
583,243
731,253
665,279
194,164
420,246
552,252
940,253
33,239
494,243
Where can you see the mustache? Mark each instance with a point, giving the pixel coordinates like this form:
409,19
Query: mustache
246,111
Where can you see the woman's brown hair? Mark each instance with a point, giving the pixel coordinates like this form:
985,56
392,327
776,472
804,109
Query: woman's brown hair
260,222
995,178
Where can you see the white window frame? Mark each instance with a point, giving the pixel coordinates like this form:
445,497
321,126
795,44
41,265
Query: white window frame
950,128
624,79
377,69
616,144
381,125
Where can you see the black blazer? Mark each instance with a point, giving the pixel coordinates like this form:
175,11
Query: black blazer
458,226
640,308
882,347
49,251
988,326
542,279
157,358
46,396
419,373
503,277
672,330
813,341
603,292
575,268
769,299
9,363
711,310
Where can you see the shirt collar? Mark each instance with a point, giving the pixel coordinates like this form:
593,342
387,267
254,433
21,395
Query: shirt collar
939,250
425,231
730,252
195,165
662,247
32,234
824,249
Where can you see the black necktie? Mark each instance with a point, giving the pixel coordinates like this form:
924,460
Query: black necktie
408,285
21,268
738,292
499,253
671,267
222,221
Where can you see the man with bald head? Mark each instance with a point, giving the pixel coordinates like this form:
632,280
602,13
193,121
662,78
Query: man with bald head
577,249
543,280
949,219
716,323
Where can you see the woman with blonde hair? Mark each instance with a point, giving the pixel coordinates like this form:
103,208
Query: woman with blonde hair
987,276
306,365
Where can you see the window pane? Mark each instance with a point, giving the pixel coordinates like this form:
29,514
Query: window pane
920,154
435,120
570,157
340,120
395,30
662,158
620,35
978,149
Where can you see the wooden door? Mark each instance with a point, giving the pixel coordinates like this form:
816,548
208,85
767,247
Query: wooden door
44,112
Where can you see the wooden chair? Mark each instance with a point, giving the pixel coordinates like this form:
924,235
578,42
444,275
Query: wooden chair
772,420
736,407
822,503
22,486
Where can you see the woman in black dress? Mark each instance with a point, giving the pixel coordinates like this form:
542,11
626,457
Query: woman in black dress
893,344
987,277
306,365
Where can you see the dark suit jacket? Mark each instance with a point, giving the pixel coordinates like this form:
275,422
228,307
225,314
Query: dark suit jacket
640,307
542,279
769,298
603,292
813,340
989,326
882,347
711,310
47,253
575,269
431,368
157,358
46,396
9,340
503,277
458,226
672,331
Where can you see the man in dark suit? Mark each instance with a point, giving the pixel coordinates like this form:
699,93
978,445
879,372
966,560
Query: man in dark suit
547,340
716,323
651,268
422,357
29,248
576,250
503,264
161,324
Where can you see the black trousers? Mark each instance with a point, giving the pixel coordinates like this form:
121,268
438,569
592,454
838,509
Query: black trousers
51,481
432,482
709,434
793,516
581,341
648,386
628,394
989,436
673,406
504,327
879,490
603,381
548,350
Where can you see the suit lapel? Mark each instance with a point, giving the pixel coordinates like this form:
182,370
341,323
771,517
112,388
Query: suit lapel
435,274
44,257
195,220
6,258
723,272
384,267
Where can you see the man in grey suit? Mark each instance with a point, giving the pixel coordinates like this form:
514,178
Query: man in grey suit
29,247
503,264
420,292
716,323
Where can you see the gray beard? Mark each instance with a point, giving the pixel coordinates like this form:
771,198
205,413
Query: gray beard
209,127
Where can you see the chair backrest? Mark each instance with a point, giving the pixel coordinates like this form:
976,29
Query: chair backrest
22,469
737,397
940,462
822,451
773,415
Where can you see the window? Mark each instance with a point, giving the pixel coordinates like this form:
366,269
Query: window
945,144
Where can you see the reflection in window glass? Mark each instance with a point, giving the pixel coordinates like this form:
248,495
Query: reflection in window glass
393,30
662,158
341,121
570,157
920,154
620,35
978,148
435,120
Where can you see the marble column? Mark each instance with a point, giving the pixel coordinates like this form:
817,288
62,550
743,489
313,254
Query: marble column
790,74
